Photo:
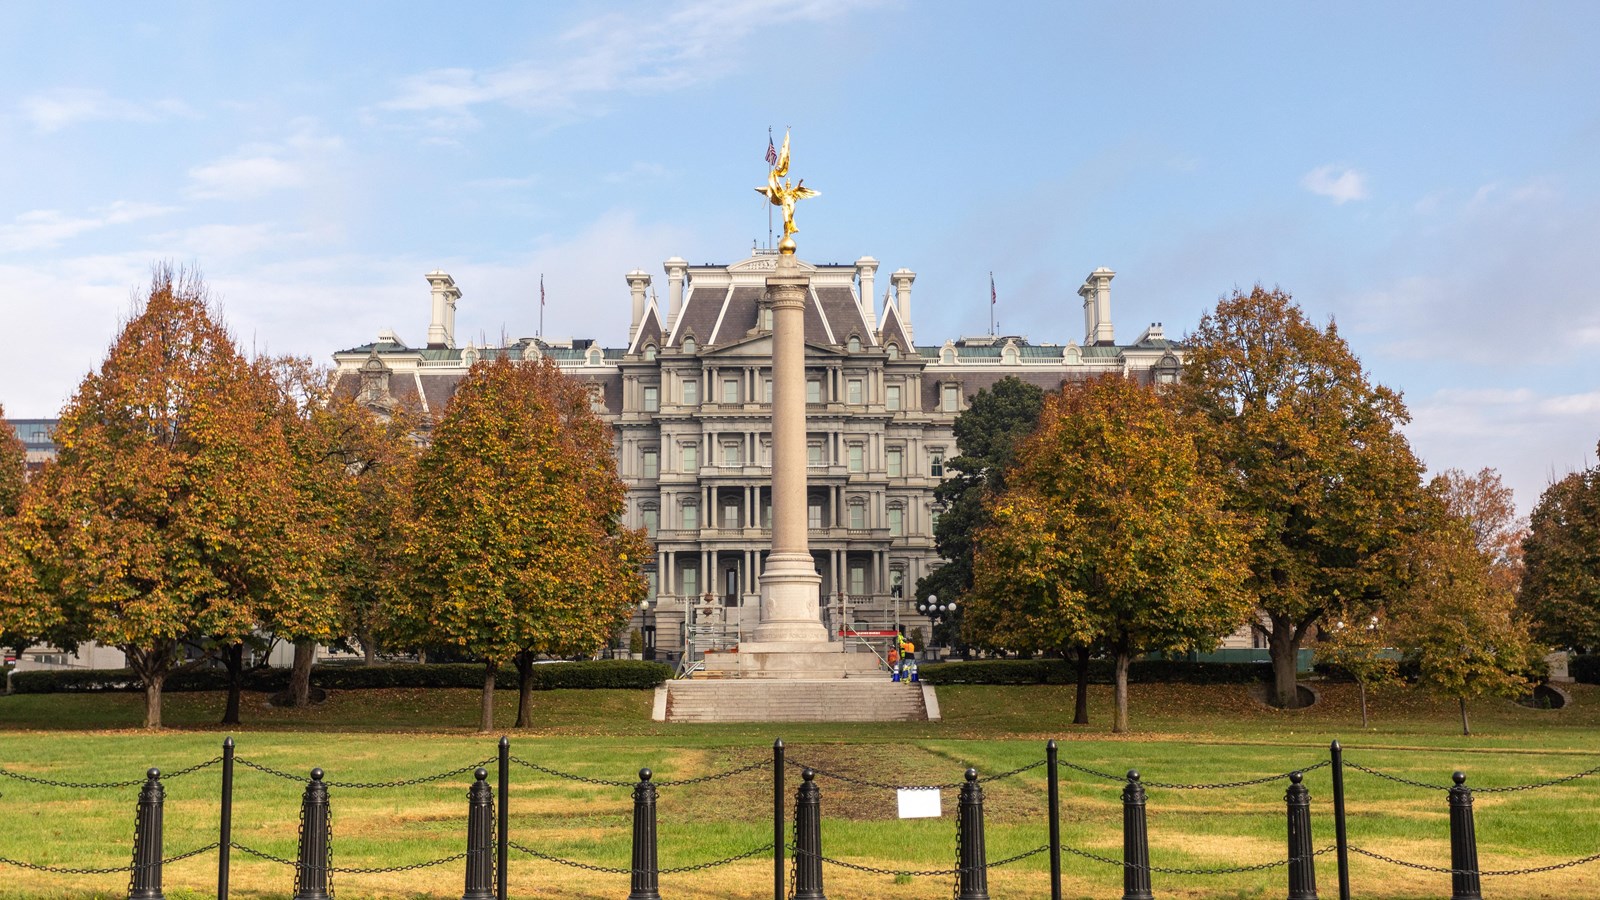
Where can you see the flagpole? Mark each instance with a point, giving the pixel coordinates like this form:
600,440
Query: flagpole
541,304
991,304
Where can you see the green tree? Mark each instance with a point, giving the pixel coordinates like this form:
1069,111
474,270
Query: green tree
1108,530
1312,459
19,625
516,545
1488,509
1460,624
13,468
1360,646
170,514
1561,580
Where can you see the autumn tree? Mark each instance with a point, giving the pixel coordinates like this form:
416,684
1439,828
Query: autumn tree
1561,582
169,514
13,468
1108,530
516,544
18,618
1361,647
1460,625
1488,509
1312,460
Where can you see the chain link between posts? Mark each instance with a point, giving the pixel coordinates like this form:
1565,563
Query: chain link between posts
1508,789
366,785
620,870
911,873
135,782
113,870
952,786
1446,870
1180,786
1172,870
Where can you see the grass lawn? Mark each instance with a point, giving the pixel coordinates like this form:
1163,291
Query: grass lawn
1184,734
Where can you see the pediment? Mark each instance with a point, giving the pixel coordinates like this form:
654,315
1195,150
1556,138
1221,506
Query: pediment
760,345
766,263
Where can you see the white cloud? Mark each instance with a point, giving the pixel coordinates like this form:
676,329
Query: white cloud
258,169
59,108
691,44
41,229
1339,183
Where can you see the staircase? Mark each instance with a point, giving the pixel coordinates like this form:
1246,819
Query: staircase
793,700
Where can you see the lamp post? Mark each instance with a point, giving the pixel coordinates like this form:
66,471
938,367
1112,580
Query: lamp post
647,627
935,611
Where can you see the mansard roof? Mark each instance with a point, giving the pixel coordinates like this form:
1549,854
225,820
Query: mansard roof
649,330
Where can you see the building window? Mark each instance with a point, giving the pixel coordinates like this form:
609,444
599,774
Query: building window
652,398
691,458
691,516
896,465
936,464
652,584
730,455
855,344
897,582
814,456
649,352
813,514
857,458
766,390
853,391
689,345
730,390
648,514
858,579
894,351
858,515
730,514
952,398
766,515
813,392
897,525
691,582
891,397
933,522
766,318
691,393
651,464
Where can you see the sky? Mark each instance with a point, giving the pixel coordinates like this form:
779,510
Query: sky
1422,174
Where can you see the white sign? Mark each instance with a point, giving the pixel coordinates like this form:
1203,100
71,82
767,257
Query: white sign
919,803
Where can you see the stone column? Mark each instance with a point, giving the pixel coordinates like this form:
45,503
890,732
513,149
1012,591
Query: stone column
789,613
637,282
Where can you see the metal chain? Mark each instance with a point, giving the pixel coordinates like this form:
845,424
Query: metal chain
1444,870
1479,790
1396,778
354,870
951,786
910,873
955,883
105,784
1170,870
571,777
362,785
794,850
617,870
64,870
758,764
1220,785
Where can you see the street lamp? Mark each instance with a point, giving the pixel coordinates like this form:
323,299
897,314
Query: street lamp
646,628
935,611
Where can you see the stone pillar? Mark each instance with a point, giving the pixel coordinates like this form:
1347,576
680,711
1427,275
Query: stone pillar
902,279
441,325
1099,282
637,282
677,268
867,269
789,612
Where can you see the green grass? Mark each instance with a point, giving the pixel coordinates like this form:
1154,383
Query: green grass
1184,734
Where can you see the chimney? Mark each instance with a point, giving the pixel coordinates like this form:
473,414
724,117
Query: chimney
1096,294
902,279
637,282
442,327
867,271
677,267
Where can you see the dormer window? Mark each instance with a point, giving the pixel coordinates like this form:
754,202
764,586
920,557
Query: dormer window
894,351
649,352
854,344
689,346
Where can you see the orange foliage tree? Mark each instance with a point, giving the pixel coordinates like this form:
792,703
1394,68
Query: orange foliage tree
18,625
170,515
1487,508
1561,586
516,547
13,468
1312,460
1108,531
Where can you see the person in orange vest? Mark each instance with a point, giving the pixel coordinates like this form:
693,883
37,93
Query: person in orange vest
894,662
906,650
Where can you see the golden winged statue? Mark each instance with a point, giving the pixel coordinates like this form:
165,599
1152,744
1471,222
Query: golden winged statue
782,193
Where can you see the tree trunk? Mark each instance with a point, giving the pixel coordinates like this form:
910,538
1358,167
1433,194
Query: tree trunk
1284,646
1080,706
486,714
1363,703
151,665
1465,730
1119,721
524,687
305,652
369,648
152,699
233,659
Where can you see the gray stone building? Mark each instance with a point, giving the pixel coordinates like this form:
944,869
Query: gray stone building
688,397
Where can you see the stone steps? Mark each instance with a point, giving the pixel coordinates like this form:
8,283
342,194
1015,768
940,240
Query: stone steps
769,700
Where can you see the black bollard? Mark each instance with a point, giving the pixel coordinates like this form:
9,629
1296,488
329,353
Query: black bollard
972,879
645,874
778,820
225,821
146,881
808,839
1302,864
1135,842
311,872
1463,843
503,836
480,828
1341,837
1053,797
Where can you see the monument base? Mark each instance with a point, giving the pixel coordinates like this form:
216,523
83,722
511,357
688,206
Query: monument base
803,661
790,589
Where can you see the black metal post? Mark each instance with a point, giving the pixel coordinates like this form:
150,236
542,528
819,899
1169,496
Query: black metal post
1341,840
1302,864
311,872
972,879
808,839
225,821
501,836
777,820
480,825
146,882
645,875
1135,842
1463,843
1053,779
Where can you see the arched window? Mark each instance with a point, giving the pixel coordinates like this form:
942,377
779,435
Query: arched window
854,344
948,356
894,351
649,352
689,345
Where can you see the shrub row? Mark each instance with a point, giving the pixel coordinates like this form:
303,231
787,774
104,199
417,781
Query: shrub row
1584,667
1063,671
619,673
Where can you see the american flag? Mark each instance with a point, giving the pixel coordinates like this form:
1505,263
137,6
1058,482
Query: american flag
772,151
541,290
992,296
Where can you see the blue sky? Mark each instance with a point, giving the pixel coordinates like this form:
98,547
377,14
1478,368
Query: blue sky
1423,173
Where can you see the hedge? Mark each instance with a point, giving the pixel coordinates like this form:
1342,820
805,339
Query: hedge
1584,667
631,674
1063,671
